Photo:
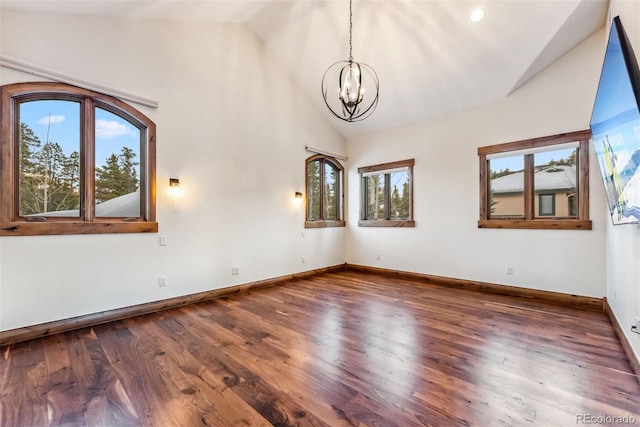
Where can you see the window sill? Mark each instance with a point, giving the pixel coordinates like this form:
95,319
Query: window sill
547,224
323,224
68,228
385,223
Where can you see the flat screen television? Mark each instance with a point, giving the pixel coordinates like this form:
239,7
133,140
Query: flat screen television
615,127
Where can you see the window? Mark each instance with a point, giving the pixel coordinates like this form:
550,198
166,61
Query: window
386,198
547,204
76,162
536,183
325,195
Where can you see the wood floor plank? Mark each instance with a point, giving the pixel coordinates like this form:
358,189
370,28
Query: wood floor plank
340,349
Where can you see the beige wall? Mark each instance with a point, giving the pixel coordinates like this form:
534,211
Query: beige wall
512,205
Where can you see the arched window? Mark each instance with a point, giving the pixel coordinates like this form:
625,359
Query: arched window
325,192
74,162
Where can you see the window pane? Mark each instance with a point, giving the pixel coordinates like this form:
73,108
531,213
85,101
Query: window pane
117,166
506,192
331,189
555,172
374,196
313,190
546,204
49,159
399,187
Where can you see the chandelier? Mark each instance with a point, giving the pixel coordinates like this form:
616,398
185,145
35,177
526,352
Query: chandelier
343,86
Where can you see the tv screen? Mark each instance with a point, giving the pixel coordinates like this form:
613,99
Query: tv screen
615,126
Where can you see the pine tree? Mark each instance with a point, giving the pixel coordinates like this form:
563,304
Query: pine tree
118,176
313,189
129,170
49,180
109,180
331,193
395,203
29,145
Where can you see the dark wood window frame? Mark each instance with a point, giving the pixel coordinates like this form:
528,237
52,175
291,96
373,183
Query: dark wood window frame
530,220
12,224
322,223
387,222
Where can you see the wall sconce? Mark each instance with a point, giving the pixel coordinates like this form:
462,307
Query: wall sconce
174,193
298,195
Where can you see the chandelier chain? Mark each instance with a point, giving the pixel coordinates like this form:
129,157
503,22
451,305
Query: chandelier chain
350,32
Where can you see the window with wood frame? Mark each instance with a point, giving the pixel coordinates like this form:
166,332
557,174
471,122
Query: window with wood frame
325,192
74,162
386,195
536,183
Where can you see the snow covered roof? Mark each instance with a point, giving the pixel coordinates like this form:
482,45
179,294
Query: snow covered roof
127,206
551,178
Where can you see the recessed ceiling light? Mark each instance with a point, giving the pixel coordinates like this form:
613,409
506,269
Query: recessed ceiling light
476,15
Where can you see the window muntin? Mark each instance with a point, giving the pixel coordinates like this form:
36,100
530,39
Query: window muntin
51,137
549,176
325,192
386,195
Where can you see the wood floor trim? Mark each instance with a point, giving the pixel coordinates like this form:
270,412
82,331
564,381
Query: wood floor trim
590,303
45,329
624,341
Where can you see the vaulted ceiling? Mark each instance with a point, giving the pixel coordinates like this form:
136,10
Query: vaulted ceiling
430,58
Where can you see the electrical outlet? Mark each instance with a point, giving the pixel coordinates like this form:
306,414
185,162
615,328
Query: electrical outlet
303,259
509,270
163,240
162,281
378,257
235,270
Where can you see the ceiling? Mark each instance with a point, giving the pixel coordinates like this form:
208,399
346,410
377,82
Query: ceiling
429,57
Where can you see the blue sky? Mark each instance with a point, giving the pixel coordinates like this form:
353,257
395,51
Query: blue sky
61,119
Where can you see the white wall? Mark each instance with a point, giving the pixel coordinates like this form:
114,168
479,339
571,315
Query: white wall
446,240
623,241
233,128
230,125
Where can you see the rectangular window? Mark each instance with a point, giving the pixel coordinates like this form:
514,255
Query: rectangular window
546,204
536,183
386,195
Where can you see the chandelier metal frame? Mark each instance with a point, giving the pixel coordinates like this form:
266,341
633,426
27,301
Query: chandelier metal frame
349,103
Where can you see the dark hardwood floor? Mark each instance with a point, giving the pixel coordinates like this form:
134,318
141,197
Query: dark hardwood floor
340,349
